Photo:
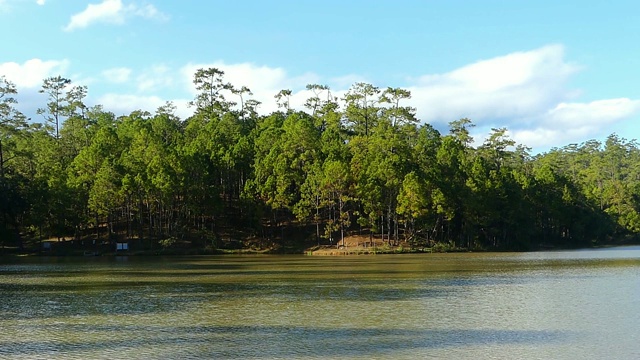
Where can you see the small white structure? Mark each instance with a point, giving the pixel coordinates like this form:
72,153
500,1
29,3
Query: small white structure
122,246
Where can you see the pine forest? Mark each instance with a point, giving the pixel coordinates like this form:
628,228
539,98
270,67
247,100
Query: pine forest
230,177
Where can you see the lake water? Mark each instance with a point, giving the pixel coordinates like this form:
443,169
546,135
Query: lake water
544,305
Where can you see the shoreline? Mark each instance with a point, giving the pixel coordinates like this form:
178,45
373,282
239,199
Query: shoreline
355,245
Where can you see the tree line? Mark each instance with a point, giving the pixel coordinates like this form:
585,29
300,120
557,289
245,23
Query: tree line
360,164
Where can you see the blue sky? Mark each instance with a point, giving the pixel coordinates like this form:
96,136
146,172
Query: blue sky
552,72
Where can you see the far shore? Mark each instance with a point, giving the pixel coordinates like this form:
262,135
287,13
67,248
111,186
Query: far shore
351,245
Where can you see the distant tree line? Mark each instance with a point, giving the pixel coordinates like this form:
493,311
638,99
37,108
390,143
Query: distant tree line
362,164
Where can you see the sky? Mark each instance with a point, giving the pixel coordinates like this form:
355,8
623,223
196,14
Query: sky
551,72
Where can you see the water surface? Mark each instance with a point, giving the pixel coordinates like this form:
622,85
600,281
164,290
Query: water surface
560,305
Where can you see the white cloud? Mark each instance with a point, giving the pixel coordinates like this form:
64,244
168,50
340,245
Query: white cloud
118,75
146,11
28,78
10,5
124,104
7,6
511,86
595,113
155,78
31,73
152,79
112,12
108,11
576,122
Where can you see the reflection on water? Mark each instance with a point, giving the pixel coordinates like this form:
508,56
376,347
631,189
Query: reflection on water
561,305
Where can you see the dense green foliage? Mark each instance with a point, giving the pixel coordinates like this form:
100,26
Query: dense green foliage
361,164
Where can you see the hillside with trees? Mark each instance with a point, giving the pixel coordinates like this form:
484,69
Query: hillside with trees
230,177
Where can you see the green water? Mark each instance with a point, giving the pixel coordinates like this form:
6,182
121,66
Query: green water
550,305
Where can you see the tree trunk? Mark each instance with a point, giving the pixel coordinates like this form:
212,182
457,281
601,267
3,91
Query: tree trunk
140,217
389,229
1,162
97,229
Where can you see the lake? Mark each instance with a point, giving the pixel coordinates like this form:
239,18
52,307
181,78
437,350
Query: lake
543,305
